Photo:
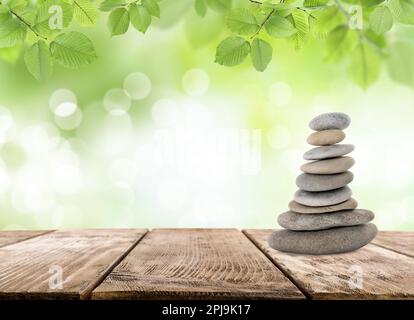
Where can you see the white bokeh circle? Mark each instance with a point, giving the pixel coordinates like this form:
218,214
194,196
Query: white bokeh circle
137,85
61,96
195,82
117,99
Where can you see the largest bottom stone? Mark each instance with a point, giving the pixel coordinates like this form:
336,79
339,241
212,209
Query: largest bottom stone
336,240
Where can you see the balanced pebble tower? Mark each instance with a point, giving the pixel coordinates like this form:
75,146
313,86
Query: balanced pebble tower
323,217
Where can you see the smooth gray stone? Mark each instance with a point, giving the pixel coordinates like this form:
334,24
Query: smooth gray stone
328,166
327,152
323,198
326,137
331,241
323,182
300,208
304,222
331,120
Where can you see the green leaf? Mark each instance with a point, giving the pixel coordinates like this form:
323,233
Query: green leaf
261,54
232,51
109,5
279,27
380,20
242,21
364,3
16,4
4,13
200,7
220,6
400,63
118,21
402,11
340,42
12,32
152,7
315,3
85,12
287,4
327,19
73,50
39,61
365,65
46,20
140,17
301,23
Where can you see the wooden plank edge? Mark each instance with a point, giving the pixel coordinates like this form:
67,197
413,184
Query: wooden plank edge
86,294
391,249
28,238
190,296
279,267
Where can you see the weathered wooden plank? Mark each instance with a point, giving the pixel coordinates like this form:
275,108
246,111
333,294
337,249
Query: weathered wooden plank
371,272
196,264
399,241
10,237
78,260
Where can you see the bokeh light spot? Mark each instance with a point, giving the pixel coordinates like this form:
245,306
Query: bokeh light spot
61,96
195,82
137,85
117,99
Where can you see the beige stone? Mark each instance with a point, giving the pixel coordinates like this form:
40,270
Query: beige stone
326,137
300,208
329,166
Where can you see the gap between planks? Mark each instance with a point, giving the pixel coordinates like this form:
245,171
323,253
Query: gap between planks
284,272
34,235
93,286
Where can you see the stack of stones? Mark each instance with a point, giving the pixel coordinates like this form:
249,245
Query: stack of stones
323,217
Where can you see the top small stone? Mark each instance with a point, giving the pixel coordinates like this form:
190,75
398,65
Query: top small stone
331,120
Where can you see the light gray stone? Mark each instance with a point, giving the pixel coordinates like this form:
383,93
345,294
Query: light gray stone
331,120
323,182
323,198
327,152
326,137
328,166
304,222
300,208
331,241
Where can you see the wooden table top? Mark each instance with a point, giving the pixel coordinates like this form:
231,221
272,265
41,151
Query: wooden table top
196,264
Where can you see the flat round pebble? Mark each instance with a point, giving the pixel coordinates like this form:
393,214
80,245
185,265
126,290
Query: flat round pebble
300,208
326,137
331,120
327,152
304,222
323,182
331,241
323,198
328,166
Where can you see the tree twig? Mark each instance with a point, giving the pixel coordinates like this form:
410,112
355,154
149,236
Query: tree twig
22,20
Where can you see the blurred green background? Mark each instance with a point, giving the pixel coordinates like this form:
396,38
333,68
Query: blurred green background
155,134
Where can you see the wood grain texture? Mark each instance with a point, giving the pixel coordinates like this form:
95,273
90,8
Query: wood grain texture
371,272
10,237
196,264
398,241
85,257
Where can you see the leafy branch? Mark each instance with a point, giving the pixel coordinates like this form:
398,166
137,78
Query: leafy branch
357,36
